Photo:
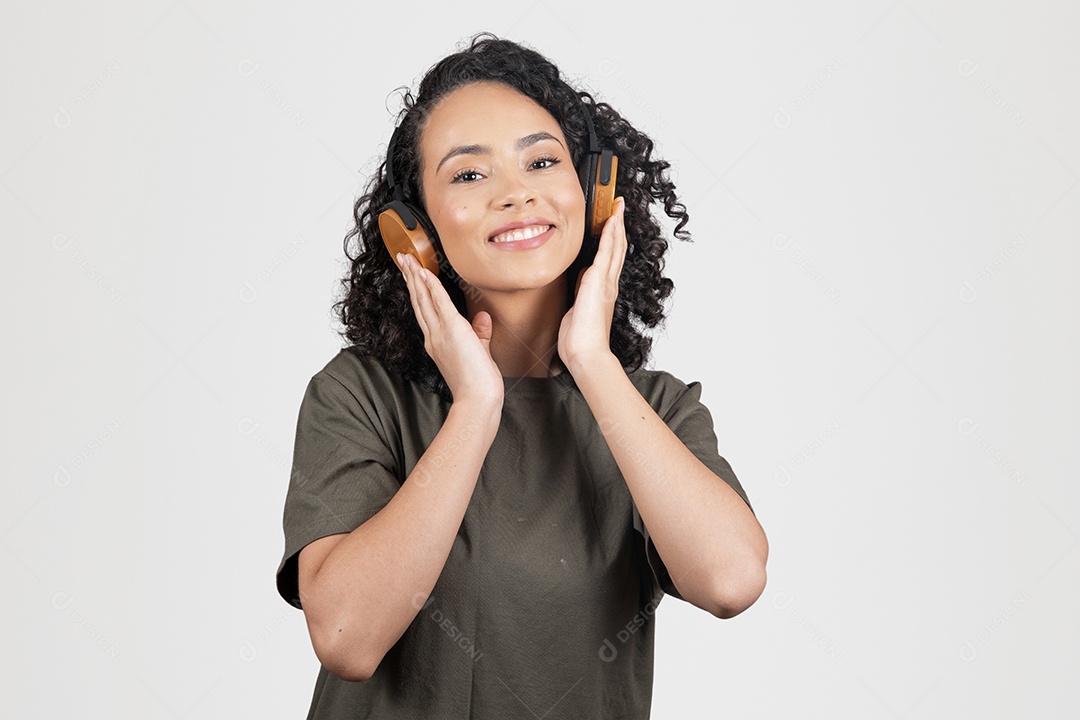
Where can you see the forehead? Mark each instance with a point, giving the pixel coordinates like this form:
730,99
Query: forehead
484,113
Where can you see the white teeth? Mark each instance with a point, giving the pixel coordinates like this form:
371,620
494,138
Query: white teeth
521,233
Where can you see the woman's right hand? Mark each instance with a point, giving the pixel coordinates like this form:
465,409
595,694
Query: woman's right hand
461,350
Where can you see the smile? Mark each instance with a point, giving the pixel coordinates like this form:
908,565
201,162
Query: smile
525,233
523,238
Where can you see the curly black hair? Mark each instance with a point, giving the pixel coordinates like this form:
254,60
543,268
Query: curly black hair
375,309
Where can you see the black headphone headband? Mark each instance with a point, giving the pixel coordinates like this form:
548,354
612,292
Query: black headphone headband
394,188
594,144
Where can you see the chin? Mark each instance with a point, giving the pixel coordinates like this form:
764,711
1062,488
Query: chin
527,280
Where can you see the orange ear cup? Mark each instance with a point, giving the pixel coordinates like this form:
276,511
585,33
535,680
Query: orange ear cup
603,198
399,238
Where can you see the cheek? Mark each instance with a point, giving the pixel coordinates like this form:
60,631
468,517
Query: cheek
462,222
575,203
445,218
457,227
572,199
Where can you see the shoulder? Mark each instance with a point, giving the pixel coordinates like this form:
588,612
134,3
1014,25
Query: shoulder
356,371
664,391
373,385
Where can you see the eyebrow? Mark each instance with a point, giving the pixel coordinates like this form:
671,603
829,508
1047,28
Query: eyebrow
521,144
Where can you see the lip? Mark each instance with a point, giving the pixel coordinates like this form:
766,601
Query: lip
519,224
526,244
523,244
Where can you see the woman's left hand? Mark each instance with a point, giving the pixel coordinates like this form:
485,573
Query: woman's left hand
585,332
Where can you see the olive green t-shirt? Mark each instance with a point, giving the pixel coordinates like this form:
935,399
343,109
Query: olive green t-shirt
545,607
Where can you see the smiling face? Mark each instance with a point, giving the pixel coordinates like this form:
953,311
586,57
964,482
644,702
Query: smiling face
501,188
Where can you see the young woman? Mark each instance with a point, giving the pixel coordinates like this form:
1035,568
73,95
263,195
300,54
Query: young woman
490,493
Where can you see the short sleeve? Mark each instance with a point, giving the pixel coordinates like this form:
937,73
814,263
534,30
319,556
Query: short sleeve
692,422
343,472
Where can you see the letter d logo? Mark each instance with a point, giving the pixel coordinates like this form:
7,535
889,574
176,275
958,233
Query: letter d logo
782,119
608,652
966,67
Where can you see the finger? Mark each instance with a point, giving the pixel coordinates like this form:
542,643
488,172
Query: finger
603,248
441,304
621,243
404,265
423,291
612,240
481,325
411,283
618,234
580,277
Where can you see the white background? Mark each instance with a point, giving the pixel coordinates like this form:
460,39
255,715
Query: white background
880,303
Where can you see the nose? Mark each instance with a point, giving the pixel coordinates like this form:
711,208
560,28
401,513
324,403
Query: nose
513,191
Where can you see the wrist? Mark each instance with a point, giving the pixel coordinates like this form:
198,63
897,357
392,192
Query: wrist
476,415
600,363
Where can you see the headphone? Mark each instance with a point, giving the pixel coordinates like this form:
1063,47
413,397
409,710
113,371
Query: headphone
405,228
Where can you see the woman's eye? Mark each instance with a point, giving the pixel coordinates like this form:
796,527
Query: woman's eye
552,162
461,176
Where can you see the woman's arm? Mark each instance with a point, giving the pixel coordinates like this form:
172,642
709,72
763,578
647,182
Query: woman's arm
361,596
361,590
707,536
710,541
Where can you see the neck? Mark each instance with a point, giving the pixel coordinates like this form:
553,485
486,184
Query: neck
525,328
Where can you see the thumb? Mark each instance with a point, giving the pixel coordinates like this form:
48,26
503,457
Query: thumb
481,325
